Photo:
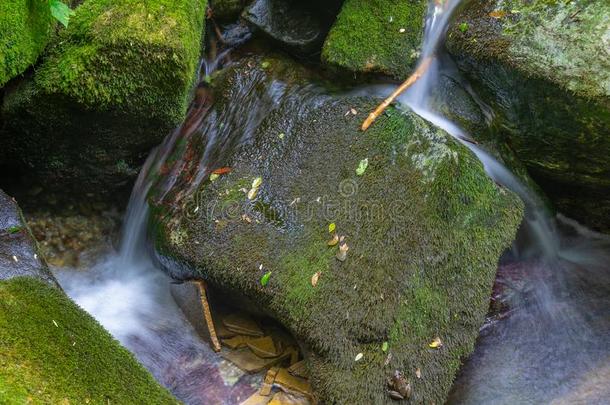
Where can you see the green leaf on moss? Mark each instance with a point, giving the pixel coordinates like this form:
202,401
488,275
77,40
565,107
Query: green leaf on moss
463,27
364,163
265,278
384,347
13,229
61,12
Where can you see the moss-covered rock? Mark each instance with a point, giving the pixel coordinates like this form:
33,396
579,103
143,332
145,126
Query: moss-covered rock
543,66
376,36
25,29
424,225
115,83
19,253
53,352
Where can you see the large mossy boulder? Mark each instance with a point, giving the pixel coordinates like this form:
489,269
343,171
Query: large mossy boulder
544,68
423,223
381,36
25,29
117,80
19,253
53,352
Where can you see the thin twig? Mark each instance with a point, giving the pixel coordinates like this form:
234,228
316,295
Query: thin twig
419,72
207,314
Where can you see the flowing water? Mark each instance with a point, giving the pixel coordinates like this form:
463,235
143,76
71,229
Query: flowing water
550,343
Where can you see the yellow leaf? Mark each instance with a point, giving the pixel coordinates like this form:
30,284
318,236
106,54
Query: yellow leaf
331,227
436,343
334,240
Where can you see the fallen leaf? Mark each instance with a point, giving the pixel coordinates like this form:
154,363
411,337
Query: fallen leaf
55,323
256,183
359,357
342,253
384,347
463,27
265,64
281,136
214,176
353,111
498,14
418,373
222,170
402,30
364,163
332,227
252,193
314,279
334,240
436,343
265,278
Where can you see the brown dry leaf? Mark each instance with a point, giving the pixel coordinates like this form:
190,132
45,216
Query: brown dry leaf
436,343
498,14
314,279
342,253
353,111
418,373
334,240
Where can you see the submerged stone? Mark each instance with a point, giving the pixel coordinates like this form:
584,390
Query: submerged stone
25,30
544,68
116,81
424,224
382,36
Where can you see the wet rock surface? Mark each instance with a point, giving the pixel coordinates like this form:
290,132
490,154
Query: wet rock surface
543,69
297,25
421,208
19,253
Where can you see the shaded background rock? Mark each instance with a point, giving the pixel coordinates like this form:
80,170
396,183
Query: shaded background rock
424,224
543,68
115,82
19,253
299,26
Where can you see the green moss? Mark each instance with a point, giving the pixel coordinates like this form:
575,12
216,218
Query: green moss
367,36
52,352
25,29
557,40
137,56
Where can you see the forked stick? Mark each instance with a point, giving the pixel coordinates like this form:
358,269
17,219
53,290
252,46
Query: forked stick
419,72
207,314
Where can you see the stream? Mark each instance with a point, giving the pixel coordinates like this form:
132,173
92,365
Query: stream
548,344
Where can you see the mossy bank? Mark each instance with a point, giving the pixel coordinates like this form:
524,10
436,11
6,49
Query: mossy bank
52,352
423,223
543,66
112,85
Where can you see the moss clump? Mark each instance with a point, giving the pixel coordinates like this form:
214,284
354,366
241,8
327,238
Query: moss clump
424,224
53,352
116,82
131,55
25,29
537,64
376,36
